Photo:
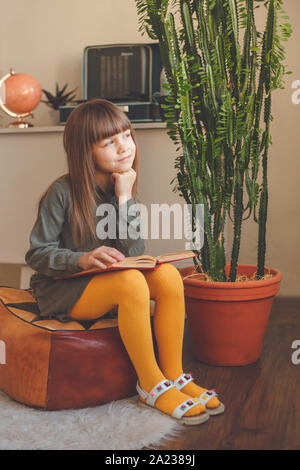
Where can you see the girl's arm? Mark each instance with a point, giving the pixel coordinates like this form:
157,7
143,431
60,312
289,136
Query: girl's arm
45,255
129,245
134,245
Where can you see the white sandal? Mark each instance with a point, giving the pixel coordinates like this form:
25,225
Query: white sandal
184,379
181,409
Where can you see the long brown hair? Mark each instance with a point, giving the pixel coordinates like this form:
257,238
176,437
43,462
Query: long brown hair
89,123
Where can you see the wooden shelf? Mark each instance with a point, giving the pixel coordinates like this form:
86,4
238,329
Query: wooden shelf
46,129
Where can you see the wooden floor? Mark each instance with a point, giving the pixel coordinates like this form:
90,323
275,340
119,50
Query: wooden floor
262,400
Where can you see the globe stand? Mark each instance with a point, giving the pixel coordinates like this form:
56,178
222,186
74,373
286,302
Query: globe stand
20,123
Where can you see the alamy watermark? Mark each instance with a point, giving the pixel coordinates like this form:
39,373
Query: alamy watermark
296,94
296,354
133,222
2,352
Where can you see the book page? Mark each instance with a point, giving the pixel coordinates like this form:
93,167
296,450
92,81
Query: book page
176,256
136,260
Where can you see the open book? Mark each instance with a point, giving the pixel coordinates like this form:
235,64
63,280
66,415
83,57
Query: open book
141,262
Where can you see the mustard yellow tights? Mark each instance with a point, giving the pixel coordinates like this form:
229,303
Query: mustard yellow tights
131,291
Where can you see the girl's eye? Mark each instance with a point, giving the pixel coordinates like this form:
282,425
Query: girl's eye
108,142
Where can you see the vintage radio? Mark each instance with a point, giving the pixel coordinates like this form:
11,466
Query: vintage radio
126,74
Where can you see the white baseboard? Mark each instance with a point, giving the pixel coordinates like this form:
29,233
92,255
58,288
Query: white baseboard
26,273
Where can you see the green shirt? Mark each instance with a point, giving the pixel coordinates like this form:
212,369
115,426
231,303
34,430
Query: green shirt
53,252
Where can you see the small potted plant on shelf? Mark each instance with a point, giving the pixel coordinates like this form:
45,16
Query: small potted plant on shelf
60,98
221,74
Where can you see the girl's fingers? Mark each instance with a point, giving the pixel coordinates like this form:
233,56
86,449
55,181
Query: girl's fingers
108,257
98,264
105,258
113,252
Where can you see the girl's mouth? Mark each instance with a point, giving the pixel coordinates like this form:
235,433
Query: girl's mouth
125,158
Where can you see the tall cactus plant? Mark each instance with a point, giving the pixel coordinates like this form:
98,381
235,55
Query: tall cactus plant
221,72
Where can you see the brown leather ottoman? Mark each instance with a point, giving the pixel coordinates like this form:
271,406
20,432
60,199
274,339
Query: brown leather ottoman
56,365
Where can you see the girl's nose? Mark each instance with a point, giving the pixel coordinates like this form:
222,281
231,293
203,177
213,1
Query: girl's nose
122,146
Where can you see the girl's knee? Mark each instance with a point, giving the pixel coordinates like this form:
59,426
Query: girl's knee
133,283
169,278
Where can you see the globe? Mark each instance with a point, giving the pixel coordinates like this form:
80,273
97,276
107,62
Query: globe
21,93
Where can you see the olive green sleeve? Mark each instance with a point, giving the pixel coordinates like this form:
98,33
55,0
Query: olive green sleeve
45,255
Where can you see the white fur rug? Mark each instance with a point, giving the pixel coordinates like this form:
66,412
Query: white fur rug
120,425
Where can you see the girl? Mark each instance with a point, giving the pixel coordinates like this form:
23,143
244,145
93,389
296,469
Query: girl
103,163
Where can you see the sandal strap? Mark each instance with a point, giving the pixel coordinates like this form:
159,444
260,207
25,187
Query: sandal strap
206,396
183,380
159,389
184,407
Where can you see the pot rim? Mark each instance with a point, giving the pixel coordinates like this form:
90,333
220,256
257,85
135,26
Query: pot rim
192,282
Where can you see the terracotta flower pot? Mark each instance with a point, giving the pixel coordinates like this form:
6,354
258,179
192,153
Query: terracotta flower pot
228,320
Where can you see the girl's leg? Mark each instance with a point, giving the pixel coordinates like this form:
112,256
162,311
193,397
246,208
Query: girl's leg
166,288
129,291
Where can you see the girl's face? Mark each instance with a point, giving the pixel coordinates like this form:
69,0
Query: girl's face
114,154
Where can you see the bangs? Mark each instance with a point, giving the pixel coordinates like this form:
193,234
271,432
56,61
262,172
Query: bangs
108,120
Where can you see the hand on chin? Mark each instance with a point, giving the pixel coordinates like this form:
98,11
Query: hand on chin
123,182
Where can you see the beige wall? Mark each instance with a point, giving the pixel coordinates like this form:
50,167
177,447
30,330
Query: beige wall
46,39
283,229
